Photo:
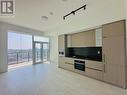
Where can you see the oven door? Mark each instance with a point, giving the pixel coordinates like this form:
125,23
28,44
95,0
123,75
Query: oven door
79,65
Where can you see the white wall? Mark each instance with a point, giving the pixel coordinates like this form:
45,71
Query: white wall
4,27
53,46
98,12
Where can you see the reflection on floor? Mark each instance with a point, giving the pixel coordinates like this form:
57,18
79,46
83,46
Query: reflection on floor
13,66
47,79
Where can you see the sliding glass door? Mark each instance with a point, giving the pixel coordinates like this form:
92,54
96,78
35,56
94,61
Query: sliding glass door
40,49
45,52
41,52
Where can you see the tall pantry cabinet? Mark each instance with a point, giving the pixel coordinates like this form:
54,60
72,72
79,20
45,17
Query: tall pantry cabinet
114,53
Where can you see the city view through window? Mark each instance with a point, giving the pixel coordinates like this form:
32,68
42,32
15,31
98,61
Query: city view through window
20,48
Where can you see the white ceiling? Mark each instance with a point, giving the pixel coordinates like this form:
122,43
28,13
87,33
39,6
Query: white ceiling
29,12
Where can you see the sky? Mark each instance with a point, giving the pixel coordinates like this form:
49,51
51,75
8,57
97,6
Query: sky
22,41
19,41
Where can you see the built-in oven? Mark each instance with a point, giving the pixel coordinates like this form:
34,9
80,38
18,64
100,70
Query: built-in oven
79,65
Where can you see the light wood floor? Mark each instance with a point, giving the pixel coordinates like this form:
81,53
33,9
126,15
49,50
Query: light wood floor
46,79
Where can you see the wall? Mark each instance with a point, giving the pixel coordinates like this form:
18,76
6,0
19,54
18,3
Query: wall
4,27
98,12
53,46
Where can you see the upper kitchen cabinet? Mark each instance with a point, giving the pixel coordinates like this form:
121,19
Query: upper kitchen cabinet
69,42
83,39
61,42
114,29
98,35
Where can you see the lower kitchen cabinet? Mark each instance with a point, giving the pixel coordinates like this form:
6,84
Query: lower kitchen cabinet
69,66
115,74
61,63
94,73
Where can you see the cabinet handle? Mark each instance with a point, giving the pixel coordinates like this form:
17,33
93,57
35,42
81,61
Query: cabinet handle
104,62
103,58
69,63
104,68
104,36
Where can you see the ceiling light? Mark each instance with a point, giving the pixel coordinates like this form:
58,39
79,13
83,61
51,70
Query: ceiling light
64,0
73,12
51,13
44,18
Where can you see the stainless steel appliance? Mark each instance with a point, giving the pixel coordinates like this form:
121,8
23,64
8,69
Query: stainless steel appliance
80,65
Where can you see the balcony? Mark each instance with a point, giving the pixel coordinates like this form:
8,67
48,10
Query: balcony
19,57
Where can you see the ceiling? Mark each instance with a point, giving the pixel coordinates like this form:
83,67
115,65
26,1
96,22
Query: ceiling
28,13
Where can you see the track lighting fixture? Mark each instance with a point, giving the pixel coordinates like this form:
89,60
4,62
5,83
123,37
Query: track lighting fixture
73,12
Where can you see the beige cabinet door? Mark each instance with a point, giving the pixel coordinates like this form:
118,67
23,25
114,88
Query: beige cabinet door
61,42
94,69
61,63
114,29
96,65
94,73
83,39
114,52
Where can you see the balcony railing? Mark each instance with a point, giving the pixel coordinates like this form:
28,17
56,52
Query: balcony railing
19,57
25,56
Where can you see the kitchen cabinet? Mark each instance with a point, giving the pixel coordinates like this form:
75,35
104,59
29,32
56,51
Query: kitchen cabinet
114,53
61,41
61,62
114,29
83,39
94,69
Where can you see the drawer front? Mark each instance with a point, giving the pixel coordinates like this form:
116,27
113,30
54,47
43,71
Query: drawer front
69,60
69,66
94,74
94,65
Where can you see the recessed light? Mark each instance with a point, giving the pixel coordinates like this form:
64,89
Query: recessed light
64,0
51,13
44,18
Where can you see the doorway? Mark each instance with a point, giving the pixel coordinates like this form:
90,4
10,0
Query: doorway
40,52
45,52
